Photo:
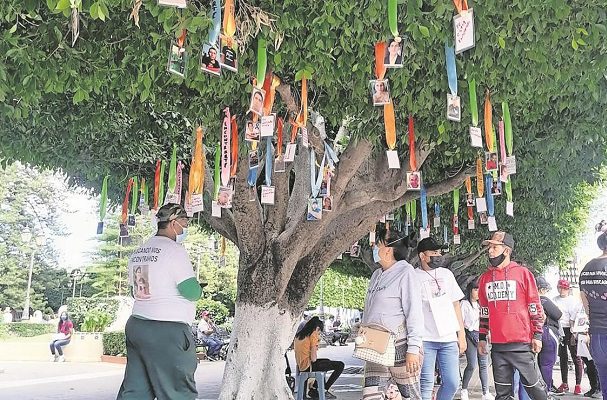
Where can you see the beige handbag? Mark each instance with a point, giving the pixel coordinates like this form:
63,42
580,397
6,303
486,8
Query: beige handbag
376,344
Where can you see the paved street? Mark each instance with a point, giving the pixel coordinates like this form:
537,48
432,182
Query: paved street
100,381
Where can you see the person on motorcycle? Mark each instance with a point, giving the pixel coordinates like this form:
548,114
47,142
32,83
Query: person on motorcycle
206,334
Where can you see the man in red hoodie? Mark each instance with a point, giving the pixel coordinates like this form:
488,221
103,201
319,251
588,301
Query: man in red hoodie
512,312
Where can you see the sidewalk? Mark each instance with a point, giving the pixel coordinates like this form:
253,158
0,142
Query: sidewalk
101,381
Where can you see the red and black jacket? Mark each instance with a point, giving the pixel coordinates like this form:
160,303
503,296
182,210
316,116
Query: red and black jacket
510,306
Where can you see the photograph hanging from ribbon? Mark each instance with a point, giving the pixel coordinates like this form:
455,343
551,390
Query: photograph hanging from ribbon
178,56
209,54
379,87
194,197
229,47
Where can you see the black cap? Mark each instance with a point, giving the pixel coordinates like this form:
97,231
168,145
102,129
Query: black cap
429,244
542,283
502,238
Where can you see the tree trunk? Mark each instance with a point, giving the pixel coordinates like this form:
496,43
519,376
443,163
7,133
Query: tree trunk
255,367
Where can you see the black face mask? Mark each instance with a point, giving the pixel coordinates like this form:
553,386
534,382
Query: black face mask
438,262
496,261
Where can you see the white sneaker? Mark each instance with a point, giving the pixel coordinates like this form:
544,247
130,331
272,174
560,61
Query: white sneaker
488,396
53,358
463,394
61,359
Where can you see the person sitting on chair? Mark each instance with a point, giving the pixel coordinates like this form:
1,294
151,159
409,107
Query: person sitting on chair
206,329
338,334
306,355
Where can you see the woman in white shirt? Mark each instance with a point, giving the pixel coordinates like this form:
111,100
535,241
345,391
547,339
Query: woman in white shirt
471,316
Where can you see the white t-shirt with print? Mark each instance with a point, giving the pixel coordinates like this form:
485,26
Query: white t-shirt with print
433,282
570,306
155,269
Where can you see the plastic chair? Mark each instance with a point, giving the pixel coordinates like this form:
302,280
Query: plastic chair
301,383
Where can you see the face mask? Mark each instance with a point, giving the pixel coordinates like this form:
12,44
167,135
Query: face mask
180,238
376,257
438,262
495,261
63,318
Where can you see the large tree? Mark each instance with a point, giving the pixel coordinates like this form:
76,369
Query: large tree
107,106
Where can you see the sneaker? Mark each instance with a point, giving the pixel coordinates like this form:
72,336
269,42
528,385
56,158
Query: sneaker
463,394
54,358
329,395
488,396
313,393
591,392
577,390
564,388
61,359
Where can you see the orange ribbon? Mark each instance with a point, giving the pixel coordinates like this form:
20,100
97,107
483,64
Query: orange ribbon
380,53
156,185
412,159
270,84
181,40
460,5
390,124
229,23
294,128
302,119
234,129
125,203
488,122
469,190
279,129
480,183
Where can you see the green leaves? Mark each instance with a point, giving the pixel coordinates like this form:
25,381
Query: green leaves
99,10
424,31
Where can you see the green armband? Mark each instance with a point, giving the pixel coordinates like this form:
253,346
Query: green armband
190,289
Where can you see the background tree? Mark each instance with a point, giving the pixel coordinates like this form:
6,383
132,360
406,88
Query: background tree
107,106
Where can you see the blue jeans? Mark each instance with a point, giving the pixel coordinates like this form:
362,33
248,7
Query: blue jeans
475,360
517,385
598,351
447,355
56,345
213,346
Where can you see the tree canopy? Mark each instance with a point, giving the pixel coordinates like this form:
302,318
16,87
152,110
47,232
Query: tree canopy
108,106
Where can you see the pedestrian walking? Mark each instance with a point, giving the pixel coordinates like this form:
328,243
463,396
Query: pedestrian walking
394,302
593,287
444,336
161,351
512,313
471,317
570,306
550,342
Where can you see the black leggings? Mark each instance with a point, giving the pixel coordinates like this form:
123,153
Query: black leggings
324,364
564,359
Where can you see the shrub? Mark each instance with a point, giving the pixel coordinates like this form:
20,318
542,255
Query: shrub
95,321
79,307
218,311
114,344
26,329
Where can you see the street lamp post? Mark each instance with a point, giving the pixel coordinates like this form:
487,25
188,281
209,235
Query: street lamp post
26,236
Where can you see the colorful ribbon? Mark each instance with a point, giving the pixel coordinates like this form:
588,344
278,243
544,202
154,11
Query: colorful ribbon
500,128
316,181
269,159
161,186
473,101
489,196
412,158
408,211
217,174
455,211
226,150
424,206
157,185
380,52
393,17
460,5
508,190
279,133
451,69
196,178
229,23
488,122
234,129
179,181
507,127
270,85
103,199
215,27
413,211
172,183
390,125
134,196
125,203
262,61
252,176
469,190
480,185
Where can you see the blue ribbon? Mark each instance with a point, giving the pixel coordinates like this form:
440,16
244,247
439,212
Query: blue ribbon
488,195
315,181
269,159
332,157
252,177
424,205
436,210
215,28
445,235
451,71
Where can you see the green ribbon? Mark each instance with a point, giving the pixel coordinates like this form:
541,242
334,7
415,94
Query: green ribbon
161,188
473,101
146,194
493,134
217,171
262,61
456,201
408,209
507,127
173,170
392,16
413,210
103,201
134,196
508,188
